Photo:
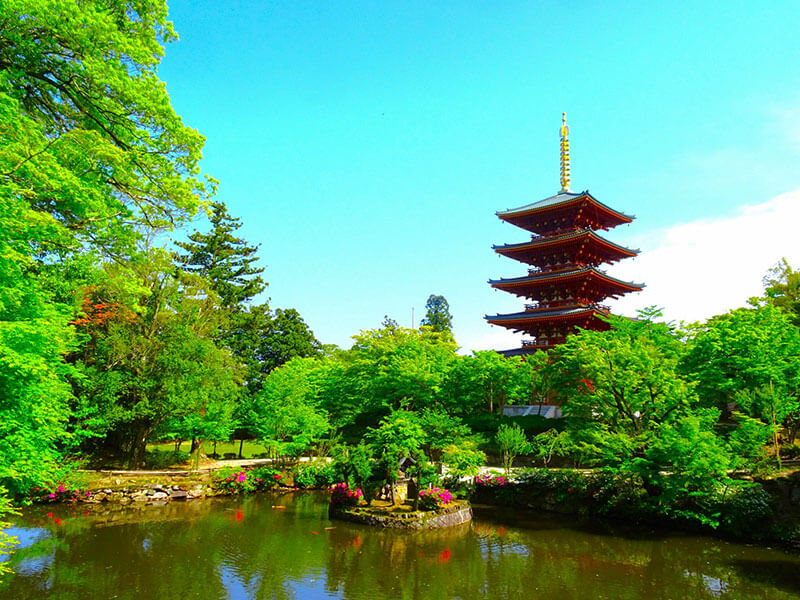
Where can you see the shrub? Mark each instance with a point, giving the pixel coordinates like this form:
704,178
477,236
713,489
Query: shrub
234,481
266,478
490,480
315,474
342,495
745,510
434,498
463,460
512,442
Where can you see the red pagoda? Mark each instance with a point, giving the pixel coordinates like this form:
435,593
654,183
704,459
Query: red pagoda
564,283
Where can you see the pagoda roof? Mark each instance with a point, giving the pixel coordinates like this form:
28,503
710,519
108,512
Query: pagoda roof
546,278
521,250
533,321
527,216
553,313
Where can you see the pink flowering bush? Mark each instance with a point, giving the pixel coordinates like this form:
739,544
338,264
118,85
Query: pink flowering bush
57,492
434,498
267,478
342,495
233,481
490,480
237,481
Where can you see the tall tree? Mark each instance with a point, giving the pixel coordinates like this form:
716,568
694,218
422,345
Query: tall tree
437,314
782,289
92,156
154,357
617,386
225,260
750,358
89,139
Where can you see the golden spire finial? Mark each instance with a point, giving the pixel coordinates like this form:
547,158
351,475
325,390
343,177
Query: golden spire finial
564,154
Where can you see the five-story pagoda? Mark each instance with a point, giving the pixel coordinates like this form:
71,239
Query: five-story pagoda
564,283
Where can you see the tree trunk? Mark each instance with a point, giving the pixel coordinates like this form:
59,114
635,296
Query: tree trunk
195,452
138,448
241,444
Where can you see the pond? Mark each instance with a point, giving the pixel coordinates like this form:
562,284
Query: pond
245,548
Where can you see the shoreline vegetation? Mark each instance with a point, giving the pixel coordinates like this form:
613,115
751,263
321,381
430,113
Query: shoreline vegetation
767,514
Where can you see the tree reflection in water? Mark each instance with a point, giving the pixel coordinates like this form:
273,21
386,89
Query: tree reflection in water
245,549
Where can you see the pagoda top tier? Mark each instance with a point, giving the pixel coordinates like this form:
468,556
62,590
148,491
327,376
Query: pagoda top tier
565,211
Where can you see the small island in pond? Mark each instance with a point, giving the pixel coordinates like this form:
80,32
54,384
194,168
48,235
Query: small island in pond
434,508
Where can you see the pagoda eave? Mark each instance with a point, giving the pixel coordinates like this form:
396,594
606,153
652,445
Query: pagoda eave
547,215
583,246
532,286
532,322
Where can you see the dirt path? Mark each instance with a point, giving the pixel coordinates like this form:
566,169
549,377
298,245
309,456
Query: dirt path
206,467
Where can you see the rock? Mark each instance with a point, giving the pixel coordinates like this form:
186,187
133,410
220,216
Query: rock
178,494
159,495
117,481
114,497
124,500
140,498
100,496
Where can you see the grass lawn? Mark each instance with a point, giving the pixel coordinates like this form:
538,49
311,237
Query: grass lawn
249,450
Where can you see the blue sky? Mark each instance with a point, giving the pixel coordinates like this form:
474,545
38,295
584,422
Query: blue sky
366,146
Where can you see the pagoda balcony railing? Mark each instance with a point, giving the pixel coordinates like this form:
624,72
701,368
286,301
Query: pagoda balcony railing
542,342
570,303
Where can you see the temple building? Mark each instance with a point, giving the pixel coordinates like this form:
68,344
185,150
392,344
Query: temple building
564,284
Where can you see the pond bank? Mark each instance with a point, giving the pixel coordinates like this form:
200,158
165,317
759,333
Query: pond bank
767,512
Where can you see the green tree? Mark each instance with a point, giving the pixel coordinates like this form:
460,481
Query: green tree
749,357
618,386
154,358
224,260
399,435
487,381
782,289
91,156
7,542
685,467
772,406
388,369
90,141
463,460
512,442
271,339
437,315
286,412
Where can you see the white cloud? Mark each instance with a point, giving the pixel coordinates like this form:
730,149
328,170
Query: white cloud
497,338
703,268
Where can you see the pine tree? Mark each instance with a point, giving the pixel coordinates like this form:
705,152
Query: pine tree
225,260
437,314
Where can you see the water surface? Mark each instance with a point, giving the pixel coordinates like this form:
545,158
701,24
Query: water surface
247,549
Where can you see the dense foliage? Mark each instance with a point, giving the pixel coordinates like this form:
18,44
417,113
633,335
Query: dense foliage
108,341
